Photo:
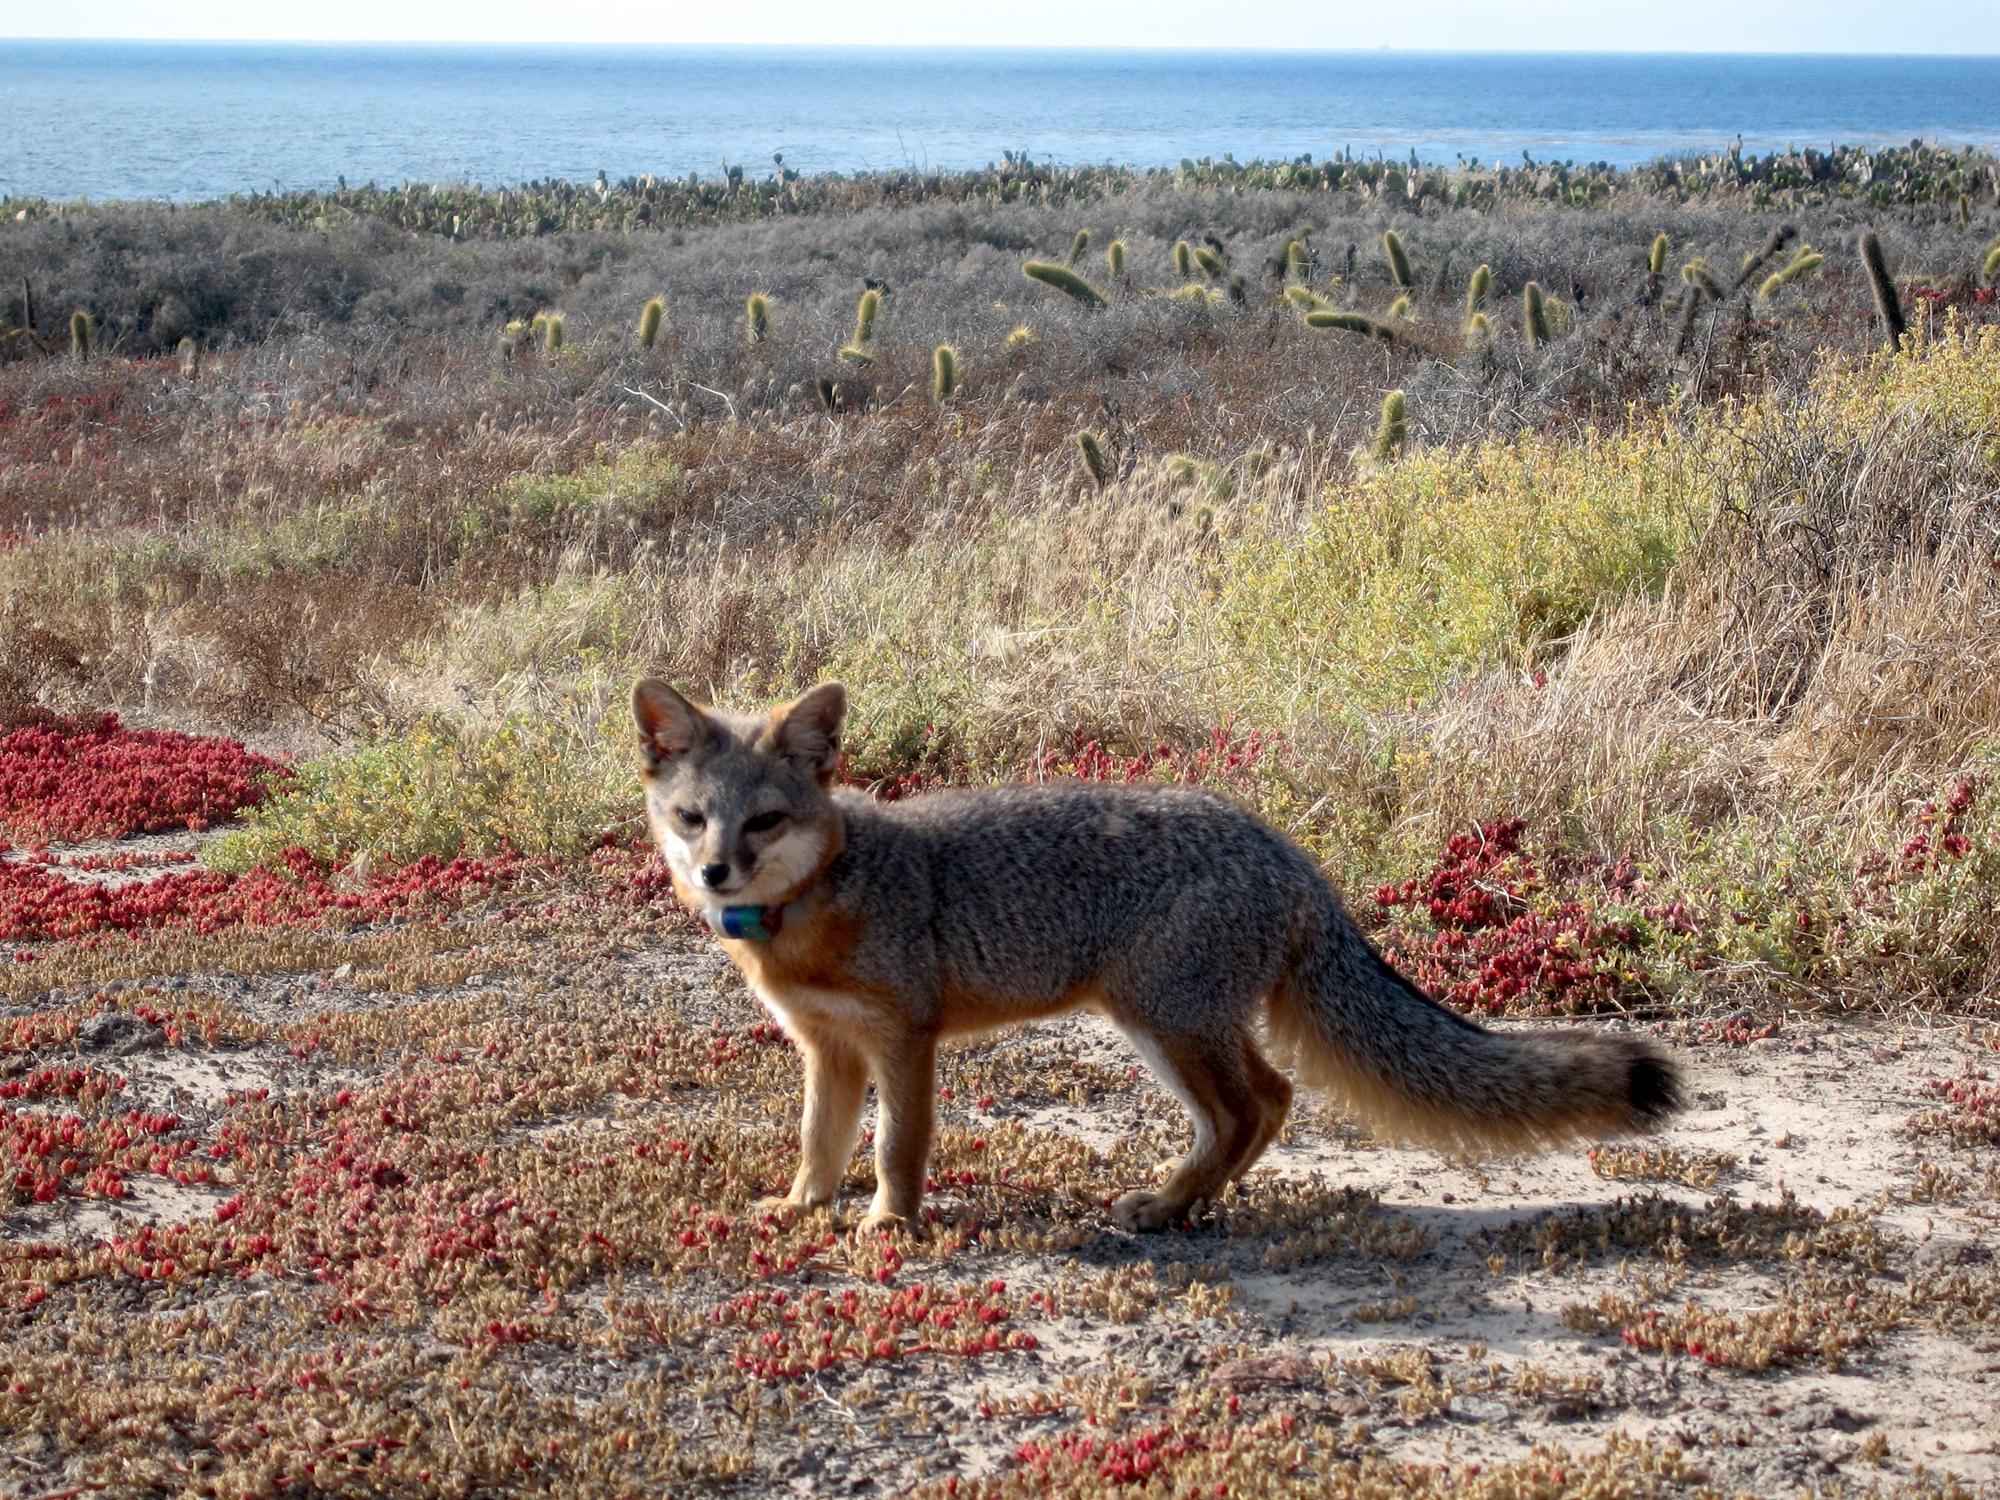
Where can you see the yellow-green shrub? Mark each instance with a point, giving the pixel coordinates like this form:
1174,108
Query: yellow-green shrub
534,785
1452,561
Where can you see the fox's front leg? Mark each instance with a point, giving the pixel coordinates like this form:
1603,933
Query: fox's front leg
836,1083
906,1095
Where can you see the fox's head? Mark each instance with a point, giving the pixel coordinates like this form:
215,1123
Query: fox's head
738,804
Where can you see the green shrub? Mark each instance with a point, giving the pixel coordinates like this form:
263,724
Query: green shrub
531,784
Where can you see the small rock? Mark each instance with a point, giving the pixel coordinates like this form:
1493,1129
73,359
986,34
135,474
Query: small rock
1477,1409
1935,1253
342,974
119,1033
1265,1369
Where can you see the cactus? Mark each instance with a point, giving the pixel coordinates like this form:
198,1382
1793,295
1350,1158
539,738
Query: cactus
1757,259
1888,306
1804,263
1534,314
512,336
757,308
1091,453
1399,261
944,373
1077,246
1477,289
650,318
1699,275
1399,310
823,388
1018,337
1200,296
1299,260
1392,430
1990,267
188,352
1352,322
1690,306
1306,300
1114,259
552,332
1478,330
1212,264
1656,258
864,320
1064,280
1183,260
82,334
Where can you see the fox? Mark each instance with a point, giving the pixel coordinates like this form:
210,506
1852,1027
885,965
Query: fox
874,931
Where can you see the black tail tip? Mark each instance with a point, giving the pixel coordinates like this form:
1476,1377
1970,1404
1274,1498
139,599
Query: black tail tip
1652,1088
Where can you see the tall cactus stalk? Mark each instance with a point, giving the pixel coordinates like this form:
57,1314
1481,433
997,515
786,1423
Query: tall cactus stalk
1064,280
552,333
1077,246
1757,259
82,335
1399,260
1392,430
1535,314
1183,260
757,316
1114,259
1656,267
1352,322
1476,291
1888,305
1090,453
944,373
650,317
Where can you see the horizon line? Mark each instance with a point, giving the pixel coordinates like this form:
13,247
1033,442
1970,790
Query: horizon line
1163,47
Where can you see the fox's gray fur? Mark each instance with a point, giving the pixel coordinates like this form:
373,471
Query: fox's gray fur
1177,914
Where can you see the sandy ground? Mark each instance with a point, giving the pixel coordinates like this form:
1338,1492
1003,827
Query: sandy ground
1454,1324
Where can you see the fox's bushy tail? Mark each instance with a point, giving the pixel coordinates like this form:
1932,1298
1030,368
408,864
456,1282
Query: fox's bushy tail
1360,1030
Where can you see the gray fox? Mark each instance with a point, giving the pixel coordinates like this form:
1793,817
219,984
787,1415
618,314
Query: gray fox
872,930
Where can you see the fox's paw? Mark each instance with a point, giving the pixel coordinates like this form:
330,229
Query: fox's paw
880,1222
1143,1212
784,1210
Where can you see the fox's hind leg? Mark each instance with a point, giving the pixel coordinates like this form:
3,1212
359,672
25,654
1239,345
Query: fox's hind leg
1235,1114
1273,1092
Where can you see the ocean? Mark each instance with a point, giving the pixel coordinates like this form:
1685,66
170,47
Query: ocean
202,120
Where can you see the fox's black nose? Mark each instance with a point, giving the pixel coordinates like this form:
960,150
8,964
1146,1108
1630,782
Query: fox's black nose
713,875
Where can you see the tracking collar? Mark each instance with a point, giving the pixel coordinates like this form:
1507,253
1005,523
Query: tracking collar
755,924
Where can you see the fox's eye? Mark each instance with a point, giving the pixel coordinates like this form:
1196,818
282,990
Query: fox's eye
763,822
688,818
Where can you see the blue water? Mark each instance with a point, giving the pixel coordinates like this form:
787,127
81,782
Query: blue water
200,120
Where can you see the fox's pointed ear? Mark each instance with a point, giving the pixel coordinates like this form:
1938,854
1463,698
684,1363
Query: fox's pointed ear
669,725
808,732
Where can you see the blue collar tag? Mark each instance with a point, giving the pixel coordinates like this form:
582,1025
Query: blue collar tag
756,924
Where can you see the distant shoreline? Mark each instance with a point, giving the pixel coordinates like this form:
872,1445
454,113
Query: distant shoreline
193,122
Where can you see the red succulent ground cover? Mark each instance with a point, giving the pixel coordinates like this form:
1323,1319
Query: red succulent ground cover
41,904
1494,932
75,779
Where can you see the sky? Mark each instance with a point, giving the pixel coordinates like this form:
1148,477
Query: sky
1950,26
